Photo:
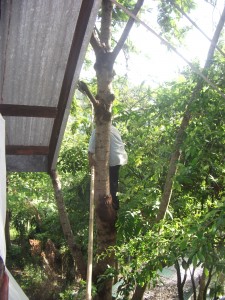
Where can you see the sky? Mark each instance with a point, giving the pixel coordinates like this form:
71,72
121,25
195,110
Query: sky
154,64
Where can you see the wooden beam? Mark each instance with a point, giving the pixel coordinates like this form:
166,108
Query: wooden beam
28,111
26,150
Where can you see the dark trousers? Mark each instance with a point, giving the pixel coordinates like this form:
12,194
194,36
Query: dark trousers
114,183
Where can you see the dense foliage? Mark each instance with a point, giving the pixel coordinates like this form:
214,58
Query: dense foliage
193,231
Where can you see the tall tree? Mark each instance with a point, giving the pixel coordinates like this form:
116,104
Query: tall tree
104,212
175,157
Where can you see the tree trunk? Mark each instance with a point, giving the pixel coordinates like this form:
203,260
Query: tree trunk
7,221
139,292
7,230
105,214
175,157
192,273
202,284
65,223
104,211
207,283
179,281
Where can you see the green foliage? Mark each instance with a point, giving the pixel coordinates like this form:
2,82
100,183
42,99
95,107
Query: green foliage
118,15
30,200
80,294
67,295
193,230
14,257
169,19
73,154
37,284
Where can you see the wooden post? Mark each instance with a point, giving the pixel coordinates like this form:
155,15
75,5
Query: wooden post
90,238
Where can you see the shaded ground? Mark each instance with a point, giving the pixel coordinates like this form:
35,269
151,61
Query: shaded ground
166,289
162,293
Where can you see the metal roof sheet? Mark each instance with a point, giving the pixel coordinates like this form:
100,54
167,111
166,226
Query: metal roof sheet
26,131
42,48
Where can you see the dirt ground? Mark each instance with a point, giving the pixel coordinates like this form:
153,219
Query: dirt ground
166,289
162,293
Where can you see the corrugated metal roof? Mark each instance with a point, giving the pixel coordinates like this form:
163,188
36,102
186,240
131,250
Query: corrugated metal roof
35,131
42,47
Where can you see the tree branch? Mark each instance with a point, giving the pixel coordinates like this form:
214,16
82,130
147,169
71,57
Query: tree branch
95,44
83,88
106,21
127,28
215,40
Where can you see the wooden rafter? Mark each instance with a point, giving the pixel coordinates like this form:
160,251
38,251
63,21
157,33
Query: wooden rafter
26,150
28,111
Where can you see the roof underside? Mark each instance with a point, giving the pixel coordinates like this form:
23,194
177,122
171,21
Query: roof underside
42,48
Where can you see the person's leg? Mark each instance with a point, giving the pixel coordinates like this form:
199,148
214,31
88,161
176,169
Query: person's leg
114,183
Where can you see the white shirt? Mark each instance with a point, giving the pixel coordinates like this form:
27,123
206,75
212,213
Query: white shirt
118,155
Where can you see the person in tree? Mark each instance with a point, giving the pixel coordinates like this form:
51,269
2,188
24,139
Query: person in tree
117,158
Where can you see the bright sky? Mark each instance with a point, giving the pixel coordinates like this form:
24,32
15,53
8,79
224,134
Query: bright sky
154,64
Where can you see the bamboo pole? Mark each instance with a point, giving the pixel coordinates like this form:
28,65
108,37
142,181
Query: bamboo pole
91,225
90,237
